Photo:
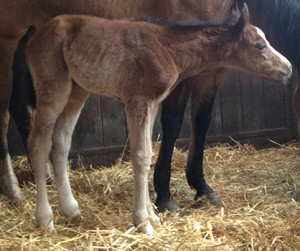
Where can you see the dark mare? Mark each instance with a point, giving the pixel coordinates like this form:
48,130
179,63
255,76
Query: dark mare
19,17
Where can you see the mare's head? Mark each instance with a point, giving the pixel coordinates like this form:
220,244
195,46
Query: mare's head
253,53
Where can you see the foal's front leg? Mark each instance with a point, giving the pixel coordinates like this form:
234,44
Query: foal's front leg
153,217
139,113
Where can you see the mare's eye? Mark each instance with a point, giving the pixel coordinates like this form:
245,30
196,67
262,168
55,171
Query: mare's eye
261,46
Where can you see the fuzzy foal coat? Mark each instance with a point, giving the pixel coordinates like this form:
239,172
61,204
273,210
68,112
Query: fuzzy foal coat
137,62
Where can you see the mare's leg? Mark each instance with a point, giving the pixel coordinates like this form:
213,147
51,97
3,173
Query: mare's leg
203,96
171,119
296,98
139,112
8,181
23,95
61,139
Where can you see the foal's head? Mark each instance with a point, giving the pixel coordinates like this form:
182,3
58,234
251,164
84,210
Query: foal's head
254,53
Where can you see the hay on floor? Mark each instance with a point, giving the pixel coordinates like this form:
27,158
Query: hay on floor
260,190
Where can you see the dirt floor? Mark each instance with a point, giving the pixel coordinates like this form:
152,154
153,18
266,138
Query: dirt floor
260,190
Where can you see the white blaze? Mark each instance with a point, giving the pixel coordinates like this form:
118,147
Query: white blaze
282,58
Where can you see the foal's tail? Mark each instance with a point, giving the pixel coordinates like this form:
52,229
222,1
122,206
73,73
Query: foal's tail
44,51
57,30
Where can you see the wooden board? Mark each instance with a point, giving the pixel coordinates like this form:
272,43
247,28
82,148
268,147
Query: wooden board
247,108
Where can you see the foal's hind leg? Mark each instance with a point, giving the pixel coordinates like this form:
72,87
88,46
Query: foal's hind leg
50,103
61,139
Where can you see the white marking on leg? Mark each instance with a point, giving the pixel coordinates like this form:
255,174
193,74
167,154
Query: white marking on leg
62,137
59,154
139,122
43,214
151,212
38,154
153,217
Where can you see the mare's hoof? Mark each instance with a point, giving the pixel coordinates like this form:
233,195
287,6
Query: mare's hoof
170,205
212,197
15,199
12,191
14,196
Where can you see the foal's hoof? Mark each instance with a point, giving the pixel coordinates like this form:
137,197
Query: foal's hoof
212,197
170,205
75,220
145,228
154,219
46,226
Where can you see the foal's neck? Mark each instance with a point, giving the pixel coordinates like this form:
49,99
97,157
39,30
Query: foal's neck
197,50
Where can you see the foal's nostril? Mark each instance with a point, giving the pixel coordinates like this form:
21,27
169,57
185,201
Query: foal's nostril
288,71
290,68
286,75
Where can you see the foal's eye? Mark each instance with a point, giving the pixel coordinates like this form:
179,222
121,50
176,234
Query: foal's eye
262,47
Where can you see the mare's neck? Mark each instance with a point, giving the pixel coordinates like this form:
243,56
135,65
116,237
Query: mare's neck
42,10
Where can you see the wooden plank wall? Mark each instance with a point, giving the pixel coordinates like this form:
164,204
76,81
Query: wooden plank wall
247,108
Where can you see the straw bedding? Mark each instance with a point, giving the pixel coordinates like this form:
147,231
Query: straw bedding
260,190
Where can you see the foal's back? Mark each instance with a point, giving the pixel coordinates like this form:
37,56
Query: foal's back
100,55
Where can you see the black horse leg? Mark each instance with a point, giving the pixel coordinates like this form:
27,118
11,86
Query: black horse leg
22,101
171,119
8,182
203,96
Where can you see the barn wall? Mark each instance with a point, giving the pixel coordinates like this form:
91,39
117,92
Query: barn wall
247,108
